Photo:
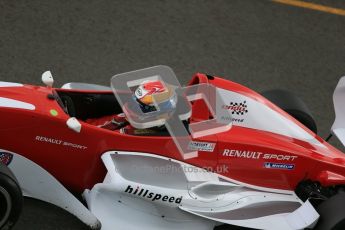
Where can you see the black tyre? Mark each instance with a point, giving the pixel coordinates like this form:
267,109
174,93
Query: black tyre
293,105
11,199
332,213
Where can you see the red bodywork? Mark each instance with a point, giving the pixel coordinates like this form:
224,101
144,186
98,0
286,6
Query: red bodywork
80,168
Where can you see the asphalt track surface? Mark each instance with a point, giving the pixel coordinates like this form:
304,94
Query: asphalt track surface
259,43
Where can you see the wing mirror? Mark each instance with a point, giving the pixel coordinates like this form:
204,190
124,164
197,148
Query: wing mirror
47,78
74,124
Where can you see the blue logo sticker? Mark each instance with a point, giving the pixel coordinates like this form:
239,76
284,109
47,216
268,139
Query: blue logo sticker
6,158
269,165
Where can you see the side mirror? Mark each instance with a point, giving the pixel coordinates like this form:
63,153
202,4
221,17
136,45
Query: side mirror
338,127
47,78
74,124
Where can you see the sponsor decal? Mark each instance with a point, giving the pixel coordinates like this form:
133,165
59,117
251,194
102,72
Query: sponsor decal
279,157
139,92
201,146
237,108
270,165
145,193
143,131
53,112
257,155
238,120
59,142
242,154
6,158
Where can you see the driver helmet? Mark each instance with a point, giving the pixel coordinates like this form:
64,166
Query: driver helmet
165,96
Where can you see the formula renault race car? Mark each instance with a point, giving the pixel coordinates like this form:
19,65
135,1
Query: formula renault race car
74,147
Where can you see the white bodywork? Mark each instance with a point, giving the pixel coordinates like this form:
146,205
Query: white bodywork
10,84
338,127
11,103
15,104
206,200
37,183
85,86
264,118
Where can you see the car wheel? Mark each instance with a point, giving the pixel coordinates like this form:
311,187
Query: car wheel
332,213
11,199
293,105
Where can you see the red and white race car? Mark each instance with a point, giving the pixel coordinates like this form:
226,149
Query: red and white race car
72,147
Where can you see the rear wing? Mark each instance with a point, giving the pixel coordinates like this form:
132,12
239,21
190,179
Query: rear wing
338,127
